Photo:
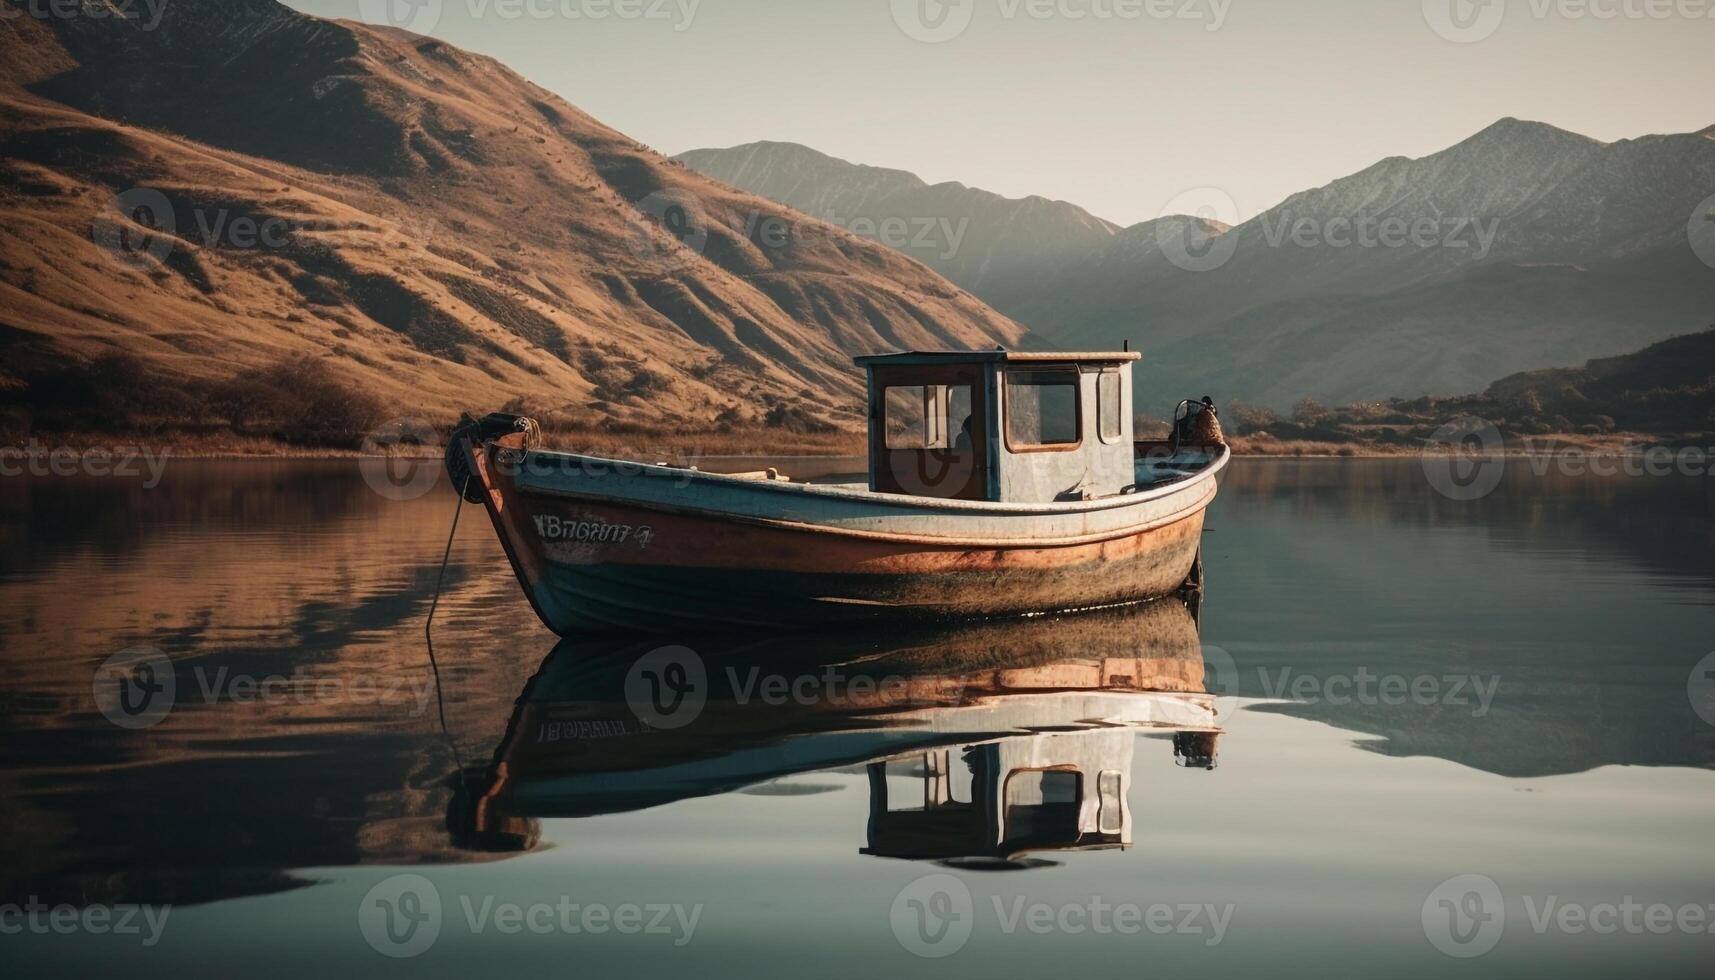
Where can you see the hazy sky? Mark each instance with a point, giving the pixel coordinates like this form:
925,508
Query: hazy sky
1119,110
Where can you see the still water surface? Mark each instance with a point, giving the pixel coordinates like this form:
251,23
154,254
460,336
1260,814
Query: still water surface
1393,688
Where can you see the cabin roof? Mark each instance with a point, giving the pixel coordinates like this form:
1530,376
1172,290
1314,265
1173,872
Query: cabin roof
995,356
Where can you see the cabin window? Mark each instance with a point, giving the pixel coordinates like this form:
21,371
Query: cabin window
928,417
911,782
1109,407
1042,804
1042,410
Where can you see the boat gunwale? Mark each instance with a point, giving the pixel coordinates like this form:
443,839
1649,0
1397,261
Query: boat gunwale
900,537
845,493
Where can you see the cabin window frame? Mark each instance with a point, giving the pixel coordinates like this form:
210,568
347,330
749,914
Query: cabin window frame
937,430
1118,378
1077,384
1040,834
1110,801
885,477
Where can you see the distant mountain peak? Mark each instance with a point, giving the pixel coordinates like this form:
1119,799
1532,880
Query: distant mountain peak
1512,131
784,153
1208,226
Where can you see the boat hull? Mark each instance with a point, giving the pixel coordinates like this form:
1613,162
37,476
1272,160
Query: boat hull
593,557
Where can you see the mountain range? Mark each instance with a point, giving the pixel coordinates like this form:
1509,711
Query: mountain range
245,184
1522,247
1004,250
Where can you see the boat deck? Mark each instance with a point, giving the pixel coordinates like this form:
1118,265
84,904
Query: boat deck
1154,469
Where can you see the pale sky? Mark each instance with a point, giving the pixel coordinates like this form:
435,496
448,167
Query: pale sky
1119,110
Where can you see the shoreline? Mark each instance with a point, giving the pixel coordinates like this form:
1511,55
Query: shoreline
736,446
119,448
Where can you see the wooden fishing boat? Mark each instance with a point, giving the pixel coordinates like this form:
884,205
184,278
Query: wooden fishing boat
1000,484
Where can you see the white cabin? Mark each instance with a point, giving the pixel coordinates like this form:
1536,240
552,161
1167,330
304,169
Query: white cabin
1001,425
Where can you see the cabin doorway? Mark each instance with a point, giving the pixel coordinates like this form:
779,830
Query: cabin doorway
928,434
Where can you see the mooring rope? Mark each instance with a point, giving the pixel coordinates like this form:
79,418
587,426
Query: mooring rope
428,628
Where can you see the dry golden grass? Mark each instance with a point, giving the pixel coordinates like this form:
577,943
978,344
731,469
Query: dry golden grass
668,443
641,443
458,239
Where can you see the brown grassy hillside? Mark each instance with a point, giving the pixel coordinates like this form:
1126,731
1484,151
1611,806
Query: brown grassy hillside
248,186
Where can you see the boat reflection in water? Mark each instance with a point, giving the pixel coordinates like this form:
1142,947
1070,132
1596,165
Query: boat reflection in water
1020,734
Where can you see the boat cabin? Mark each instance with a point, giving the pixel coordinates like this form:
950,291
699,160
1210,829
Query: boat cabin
1001,425
1051,792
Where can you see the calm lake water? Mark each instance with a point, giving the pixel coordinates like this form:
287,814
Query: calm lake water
1437,729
